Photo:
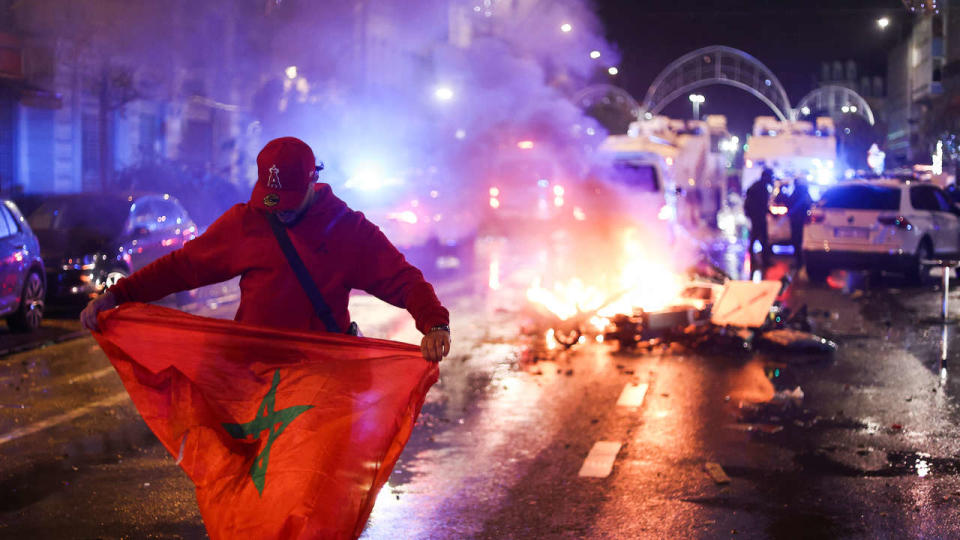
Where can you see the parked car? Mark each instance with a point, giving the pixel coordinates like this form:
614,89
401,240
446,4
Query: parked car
886,224
22,280
90,240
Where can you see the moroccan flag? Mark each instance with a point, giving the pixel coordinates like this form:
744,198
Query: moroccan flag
284,434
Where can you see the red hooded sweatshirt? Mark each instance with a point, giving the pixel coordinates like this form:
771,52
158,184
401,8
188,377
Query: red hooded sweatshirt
340,248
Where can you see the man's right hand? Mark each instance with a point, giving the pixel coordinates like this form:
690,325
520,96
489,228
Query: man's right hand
88,317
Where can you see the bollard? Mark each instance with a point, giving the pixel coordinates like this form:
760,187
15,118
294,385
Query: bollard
946,265
944,312
944,350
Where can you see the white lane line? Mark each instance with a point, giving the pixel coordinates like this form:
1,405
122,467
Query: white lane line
632,395
599,462
90,376
50,422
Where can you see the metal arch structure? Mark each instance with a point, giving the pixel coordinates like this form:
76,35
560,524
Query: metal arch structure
588,96
832,98
717,64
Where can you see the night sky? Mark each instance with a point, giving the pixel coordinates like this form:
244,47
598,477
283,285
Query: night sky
791,37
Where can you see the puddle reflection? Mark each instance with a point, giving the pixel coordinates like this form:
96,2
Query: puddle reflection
751,383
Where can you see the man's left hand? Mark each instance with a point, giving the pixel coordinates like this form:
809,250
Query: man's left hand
435,345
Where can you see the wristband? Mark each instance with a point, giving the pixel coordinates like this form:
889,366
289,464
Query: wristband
444,327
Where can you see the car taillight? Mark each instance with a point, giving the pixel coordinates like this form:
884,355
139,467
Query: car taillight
899,222
814,217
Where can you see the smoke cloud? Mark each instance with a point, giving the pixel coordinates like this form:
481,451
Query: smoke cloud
420,110
490,75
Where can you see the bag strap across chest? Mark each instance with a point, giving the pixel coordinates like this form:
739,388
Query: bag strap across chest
320,306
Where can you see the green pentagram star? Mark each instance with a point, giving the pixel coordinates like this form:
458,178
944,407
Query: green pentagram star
267,420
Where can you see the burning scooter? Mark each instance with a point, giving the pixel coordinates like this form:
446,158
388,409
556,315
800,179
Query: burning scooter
704,313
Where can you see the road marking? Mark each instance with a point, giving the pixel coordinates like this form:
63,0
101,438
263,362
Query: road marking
599,462
50,422
89,376
716,472
632,395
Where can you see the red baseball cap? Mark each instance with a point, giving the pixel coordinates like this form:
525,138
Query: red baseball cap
285,168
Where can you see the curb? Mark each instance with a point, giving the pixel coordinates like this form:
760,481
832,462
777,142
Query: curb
46,343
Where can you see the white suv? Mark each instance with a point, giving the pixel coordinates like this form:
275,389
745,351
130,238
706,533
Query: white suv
879,224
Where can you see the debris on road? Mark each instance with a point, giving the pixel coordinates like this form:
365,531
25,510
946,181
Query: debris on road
741,314
757,428
716,472
789,340
789,398
769,417
710,312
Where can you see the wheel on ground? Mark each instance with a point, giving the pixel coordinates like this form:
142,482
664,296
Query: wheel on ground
919,273
29,315
113,276
567,339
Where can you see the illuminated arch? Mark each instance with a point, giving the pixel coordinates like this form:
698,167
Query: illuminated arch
717,65
833,98
591,95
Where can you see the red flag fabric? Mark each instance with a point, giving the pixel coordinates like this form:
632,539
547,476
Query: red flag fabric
285,434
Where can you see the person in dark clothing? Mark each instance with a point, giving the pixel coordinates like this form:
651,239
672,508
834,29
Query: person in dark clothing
800,203
755,206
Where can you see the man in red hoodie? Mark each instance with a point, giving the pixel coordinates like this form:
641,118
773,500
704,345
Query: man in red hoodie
340,249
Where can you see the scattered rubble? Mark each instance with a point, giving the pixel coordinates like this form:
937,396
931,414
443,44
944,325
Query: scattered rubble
734,317
716,472
797,341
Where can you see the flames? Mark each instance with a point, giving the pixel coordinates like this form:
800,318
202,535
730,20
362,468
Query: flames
645,281
567,299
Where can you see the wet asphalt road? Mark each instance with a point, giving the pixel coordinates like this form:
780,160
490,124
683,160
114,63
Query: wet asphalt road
871,449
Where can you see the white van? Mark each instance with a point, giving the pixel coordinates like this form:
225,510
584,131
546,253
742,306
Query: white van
637,169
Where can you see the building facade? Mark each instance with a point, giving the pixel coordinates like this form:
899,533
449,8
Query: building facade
922,91
82,98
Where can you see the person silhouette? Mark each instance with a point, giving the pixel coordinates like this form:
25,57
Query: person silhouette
799,204
756,205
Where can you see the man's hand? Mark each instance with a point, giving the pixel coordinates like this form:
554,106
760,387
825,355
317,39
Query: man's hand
88,317
435,344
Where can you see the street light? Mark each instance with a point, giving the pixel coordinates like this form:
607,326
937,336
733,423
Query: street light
883,22
566,27
443,93
696,99
613,70
594,54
